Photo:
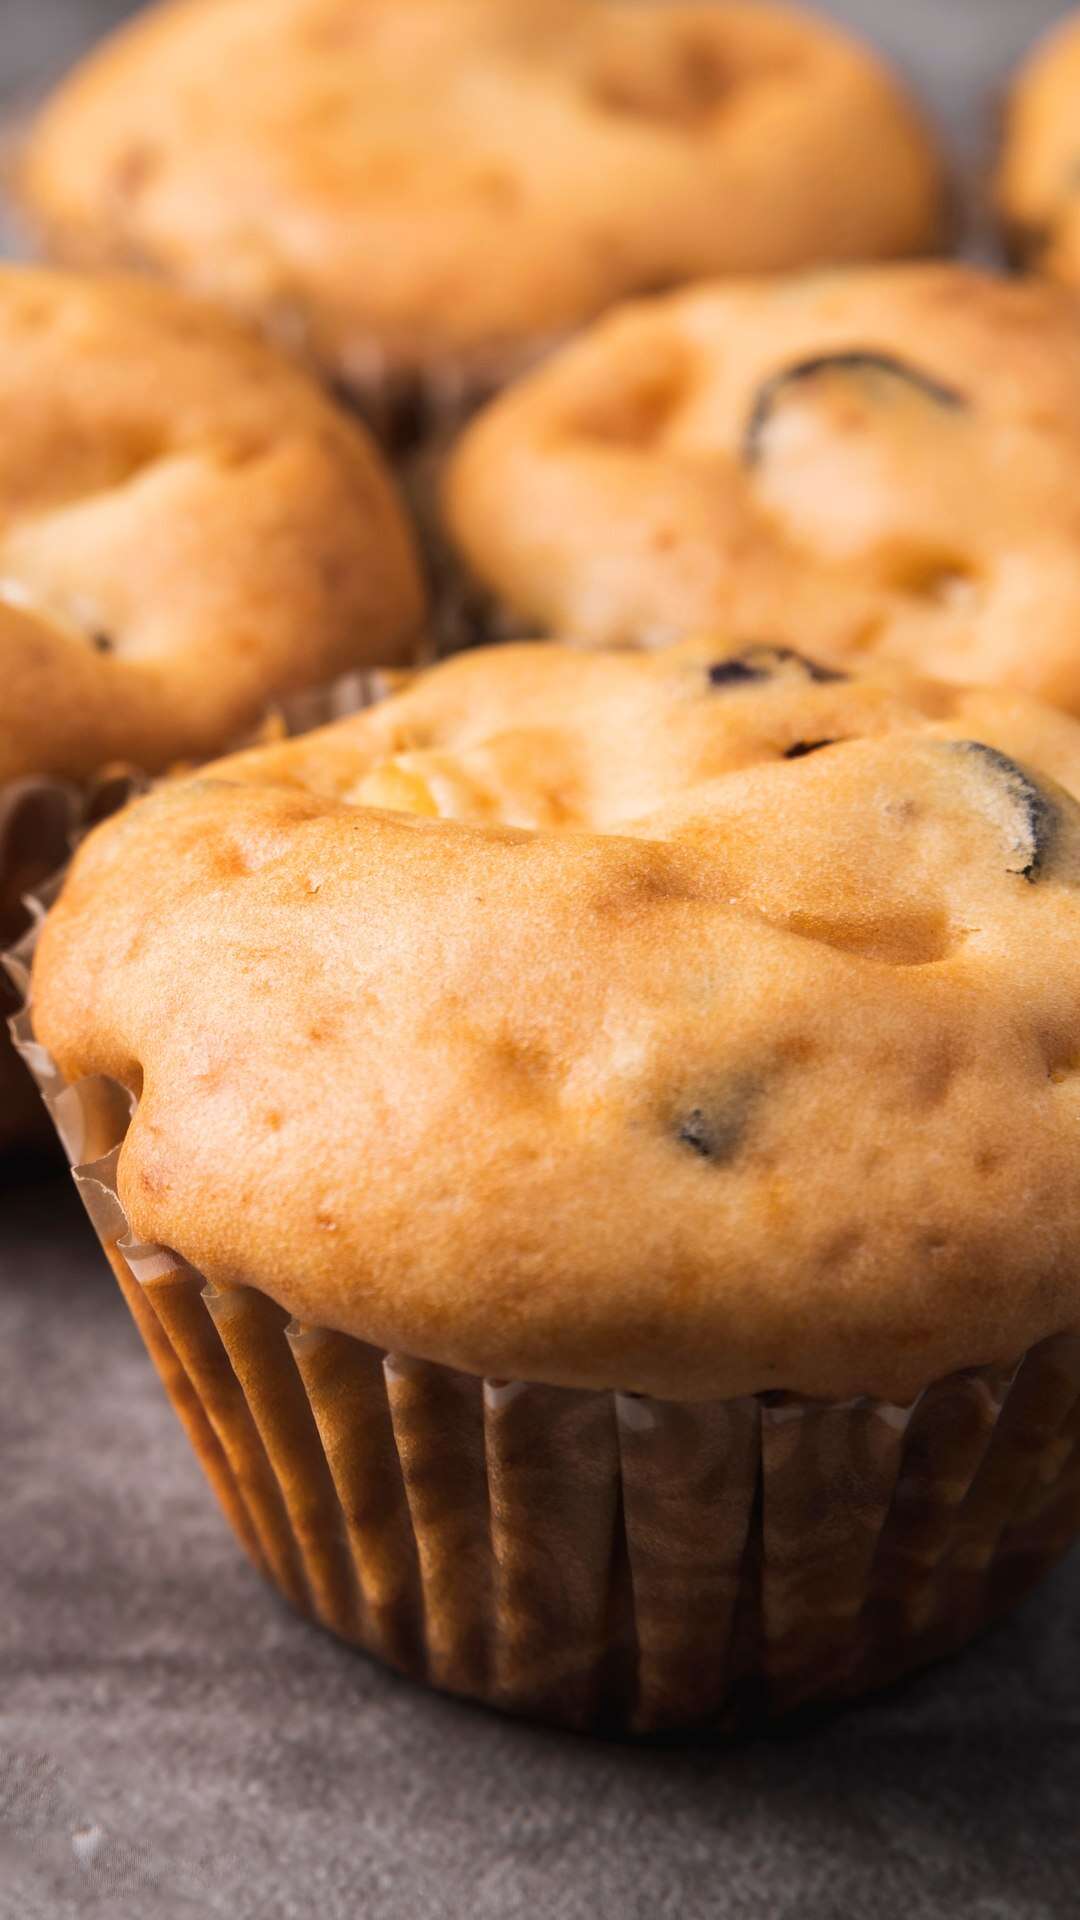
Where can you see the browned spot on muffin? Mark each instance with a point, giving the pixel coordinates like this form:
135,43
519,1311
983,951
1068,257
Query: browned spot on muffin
915,938
685,87
135,168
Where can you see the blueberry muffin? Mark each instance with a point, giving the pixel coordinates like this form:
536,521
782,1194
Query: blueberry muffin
188,532
1039,176
422,194
875,464
633,1276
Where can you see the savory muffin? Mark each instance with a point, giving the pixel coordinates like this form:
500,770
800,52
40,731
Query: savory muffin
874,464
429,191
1038,185
692,1037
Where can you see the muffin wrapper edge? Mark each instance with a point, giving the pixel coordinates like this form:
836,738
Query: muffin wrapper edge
416,415
596,1559
37,821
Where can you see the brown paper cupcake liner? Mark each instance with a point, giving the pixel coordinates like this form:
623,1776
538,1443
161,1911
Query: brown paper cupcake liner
463,612
597,1559
416,414
37,821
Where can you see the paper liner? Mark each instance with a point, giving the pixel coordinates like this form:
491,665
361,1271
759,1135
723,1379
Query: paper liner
463,612
596,1559
417,415
37,818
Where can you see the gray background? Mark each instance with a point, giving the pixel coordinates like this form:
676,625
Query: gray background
173,1742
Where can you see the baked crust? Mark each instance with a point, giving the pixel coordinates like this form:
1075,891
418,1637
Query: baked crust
1038,186
697,1024
403,183
188,529
877,463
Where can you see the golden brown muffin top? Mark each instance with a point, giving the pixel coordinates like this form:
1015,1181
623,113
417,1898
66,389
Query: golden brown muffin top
873,464
188,529
418,179
690,1023
1039,178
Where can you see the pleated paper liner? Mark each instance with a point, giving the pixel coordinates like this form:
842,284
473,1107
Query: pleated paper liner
417,415
37,820
596,1559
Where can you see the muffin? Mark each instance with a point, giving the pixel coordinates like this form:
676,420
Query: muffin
189,531
1039,178
632,1278
875,464
423,194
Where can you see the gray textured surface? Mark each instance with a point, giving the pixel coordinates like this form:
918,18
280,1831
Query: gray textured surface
172,1742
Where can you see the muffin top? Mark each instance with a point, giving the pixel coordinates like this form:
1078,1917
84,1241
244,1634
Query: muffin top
1039,178
401,181
877,463
188,529
691,1023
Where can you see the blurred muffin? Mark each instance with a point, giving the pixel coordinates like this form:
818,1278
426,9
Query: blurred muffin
1039,177
188,532
873,464
422,194
666,1140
